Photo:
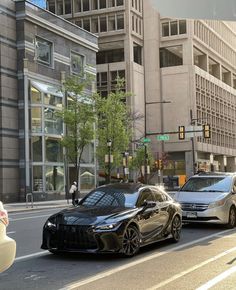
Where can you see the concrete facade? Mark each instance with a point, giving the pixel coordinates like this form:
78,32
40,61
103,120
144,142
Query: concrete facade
23,74
186,77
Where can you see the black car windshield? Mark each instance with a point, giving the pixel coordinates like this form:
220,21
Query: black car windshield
210,184
104,197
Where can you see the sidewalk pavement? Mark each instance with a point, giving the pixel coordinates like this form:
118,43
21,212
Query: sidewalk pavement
22,206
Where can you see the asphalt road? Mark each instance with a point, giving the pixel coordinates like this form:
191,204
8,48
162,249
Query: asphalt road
205,258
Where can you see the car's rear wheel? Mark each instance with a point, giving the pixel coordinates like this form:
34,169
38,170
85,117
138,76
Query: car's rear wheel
232,218
176,228
131,241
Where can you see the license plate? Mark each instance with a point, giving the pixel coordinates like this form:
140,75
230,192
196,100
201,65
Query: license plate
191,214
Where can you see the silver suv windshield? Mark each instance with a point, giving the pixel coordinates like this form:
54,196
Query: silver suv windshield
209,184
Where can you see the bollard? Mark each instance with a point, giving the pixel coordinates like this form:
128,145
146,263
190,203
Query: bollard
29,195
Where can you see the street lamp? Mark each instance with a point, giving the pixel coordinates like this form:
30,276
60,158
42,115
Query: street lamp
109,160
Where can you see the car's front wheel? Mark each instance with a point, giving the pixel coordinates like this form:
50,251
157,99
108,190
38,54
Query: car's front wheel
131,241
232,218
176,228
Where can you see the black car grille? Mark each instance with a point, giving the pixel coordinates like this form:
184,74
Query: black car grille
72,237
194,206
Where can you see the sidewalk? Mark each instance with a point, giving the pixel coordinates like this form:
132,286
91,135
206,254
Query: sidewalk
22,206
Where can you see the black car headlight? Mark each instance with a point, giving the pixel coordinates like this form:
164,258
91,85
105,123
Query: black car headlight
106,227
50,223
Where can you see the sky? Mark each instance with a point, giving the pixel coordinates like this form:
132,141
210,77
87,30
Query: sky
41,3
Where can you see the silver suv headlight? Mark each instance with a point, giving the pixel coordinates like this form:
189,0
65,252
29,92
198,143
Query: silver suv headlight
217,203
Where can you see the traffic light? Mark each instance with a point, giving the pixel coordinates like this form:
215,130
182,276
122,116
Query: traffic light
181,132
206,131
160,164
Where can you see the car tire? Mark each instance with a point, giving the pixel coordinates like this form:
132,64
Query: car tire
55,252
232,218
131,241
176,227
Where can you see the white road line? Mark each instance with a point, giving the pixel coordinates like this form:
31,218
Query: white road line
8,233
181,274
217,279
26,218
139,261
31,212
42,253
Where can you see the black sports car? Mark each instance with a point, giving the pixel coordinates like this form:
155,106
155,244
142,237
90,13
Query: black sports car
117,218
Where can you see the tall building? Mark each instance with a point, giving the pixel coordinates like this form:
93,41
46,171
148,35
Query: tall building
181,72
37,51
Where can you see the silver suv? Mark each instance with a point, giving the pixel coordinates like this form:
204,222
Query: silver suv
209,197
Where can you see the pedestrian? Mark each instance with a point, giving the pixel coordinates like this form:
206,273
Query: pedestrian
73,190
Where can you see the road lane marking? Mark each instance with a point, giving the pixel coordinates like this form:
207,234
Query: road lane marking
181,274
139,261
26,218
8,233
32,212
41,253
217,279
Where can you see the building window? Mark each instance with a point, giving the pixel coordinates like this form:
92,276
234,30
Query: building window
59,7
94,25
54,178
182,27
51,7
165,29
103,4
119,2
120,21
44,51
36,119
77,6
78,23
37,148
173,28
77,63
171,56
103,24
86,24
52,123
53,150
109,56
111,3
67,6
94,4
111,23
85,5
137,51
35,96
38,178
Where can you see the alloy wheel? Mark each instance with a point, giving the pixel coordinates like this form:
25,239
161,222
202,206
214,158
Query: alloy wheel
176,228
131,241
232,218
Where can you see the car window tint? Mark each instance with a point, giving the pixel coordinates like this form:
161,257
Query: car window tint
145,195
158,195
110,198
208,184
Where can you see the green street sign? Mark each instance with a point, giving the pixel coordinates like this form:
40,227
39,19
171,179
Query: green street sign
163,137
146,140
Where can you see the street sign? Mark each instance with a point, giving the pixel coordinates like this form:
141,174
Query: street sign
146,140
163,137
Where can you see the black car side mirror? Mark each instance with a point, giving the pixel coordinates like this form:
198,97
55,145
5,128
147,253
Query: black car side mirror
149,204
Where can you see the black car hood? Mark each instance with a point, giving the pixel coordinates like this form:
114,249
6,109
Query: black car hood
93,215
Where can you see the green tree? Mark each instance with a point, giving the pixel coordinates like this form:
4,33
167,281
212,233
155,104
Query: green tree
138,160
78,116
113,123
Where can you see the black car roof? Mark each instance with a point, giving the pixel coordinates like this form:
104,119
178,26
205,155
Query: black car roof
122,186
